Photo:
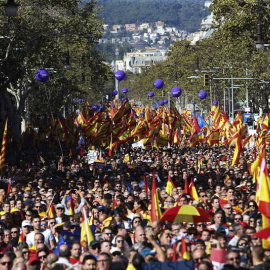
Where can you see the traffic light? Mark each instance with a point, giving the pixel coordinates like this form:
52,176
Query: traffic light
205,79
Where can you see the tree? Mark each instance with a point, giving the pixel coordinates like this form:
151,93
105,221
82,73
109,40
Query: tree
49,34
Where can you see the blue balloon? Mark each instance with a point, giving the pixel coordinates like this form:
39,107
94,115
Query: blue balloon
166,101
202,94
120,75
151,94
158,83
215,102
125,90
176,91
95,107
161,102
42,75
114,92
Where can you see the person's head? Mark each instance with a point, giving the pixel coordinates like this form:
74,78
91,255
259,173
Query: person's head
89,262
198,255
176,228
205,265
7,236
119,241
238,218
227,209
137,261
206,235
107,234
218,219
14,232
42,255
233,257
103,261
136,222
157,226
6,263
39,239
215,202
75,250
140,234
6,207
238,229
257,253
64,251
105,246
36,222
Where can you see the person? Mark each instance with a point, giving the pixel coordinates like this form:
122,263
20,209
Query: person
49,239
64,255
6,263
89,262
104,261
238,231
75,253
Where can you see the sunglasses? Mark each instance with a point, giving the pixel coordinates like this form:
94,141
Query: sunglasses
234,258
6,263
42,257
120,241
14,231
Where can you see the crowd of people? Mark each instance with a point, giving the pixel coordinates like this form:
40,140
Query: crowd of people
115,194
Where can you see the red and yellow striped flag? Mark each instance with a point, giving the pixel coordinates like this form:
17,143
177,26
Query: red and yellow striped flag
3,148
184,252
170,186
193,191
51,211
155,209
263,195
238,149
71,207
86,234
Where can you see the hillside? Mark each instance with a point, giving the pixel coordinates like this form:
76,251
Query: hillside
184,14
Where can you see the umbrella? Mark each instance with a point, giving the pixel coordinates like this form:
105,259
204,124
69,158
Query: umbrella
186,213
263,234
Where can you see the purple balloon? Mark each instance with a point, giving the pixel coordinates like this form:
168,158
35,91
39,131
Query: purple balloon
42,75
114,92
95,107
158,83
151,94
161,103
125,90
123,99
176,91
166,101
202,94
215,102
120,75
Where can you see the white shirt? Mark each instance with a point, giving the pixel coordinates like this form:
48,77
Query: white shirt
47,235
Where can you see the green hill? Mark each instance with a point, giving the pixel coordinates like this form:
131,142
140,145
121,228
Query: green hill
185,15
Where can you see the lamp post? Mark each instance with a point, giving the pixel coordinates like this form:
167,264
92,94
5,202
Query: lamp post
115,69
11,8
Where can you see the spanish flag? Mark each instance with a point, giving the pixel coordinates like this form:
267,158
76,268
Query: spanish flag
193,191
238,149
155,209
86,234
51,211
263,196
71,207
170,186
184,253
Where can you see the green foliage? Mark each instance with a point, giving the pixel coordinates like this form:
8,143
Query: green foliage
40,37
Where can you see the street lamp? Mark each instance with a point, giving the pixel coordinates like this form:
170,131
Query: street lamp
11,8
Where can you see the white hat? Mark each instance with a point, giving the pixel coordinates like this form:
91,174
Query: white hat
26,223
115,249
59,205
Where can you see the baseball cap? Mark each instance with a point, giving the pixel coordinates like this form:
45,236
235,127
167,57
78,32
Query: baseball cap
26,223
115,250
94,243
147,251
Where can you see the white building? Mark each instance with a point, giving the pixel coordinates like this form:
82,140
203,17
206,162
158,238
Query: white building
136,61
